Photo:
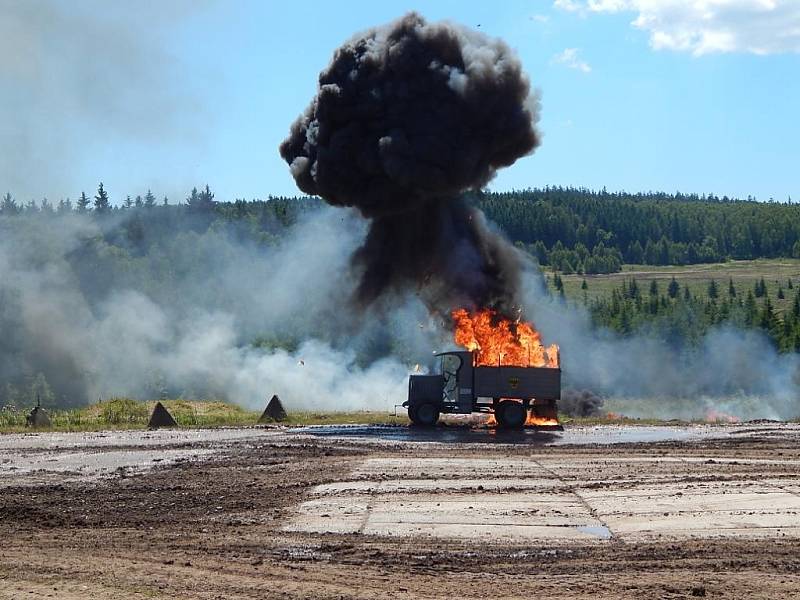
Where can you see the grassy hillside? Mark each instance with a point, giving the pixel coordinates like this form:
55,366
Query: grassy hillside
777,273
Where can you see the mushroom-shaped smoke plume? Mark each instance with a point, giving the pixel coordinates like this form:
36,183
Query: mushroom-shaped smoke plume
407,118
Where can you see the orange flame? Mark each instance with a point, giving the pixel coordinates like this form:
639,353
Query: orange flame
540,421
499,341
531,421
717,416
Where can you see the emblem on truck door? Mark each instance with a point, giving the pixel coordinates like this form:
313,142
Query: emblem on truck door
513,382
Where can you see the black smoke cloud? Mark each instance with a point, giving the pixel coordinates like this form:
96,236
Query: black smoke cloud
407,118
580,403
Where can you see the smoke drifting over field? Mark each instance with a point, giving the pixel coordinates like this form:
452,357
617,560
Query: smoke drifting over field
407,117
95,323
96,327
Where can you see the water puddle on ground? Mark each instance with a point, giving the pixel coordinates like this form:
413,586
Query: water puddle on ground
600,531
578,435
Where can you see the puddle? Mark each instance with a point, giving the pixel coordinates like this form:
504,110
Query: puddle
578,435
600,531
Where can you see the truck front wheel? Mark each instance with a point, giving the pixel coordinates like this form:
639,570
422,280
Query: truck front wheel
424,414
511,415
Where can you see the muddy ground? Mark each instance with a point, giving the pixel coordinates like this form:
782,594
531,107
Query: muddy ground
381,513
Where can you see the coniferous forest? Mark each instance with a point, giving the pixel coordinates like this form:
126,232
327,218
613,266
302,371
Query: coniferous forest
584,231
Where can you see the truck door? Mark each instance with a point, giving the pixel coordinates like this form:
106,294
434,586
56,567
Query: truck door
457,373
466,393
451,364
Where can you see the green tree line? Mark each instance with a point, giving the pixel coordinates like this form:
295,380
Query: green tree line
580,230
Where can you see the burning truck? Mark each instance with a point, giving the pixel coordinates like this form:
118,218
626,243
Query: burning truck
506,371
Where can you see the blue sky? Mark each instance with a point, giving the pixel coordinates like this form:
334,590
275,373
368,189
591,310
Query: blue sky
670,95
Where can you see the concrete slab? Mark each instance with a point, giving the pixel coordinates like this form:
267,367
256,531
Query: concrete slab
551,499
669,489
483,532
712,533
431,485
478,516
326,523
702,524
692,503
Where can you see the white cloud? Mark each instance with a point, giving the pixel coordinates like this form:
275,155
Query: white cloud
707,26
570,5
569,58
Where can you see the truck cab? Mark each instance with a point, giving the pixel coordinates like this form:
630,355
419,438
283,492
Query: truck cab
514,394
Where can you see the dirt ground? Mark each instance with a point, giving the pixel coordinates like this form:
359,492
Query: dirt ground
272,513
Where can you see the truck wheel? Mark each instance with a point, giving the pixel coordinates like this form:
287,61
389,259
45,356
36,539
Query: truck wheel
424,414
511,415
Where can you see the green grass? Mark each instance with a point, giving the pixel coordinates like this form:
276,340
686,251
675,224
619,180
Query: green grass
125,413
745,273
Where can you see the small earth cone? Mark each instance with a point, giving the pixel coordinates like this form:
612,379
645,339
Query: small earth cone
161,418
274,413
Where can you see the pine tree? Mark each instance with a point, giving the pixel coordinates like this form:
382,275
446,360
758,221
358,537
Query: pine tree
686,294
200,201
673,288
9,206
767,320
750,309
584,285
149,200
101,203
635,253
633,288
789,283
139,203
731,288
653,288
539,250
83,203
713,291
781,295
759,289
207,197
128,202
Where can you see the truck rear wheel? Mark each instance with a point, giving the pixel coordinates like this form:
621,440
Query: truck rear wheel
424,414
511,415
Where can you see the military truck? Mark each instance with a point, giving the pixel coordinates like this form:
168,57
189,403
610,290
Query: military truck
511,393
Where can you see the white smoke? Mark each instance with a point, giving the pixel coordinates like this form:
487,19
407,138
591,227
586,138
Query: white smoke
140,344
320,353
